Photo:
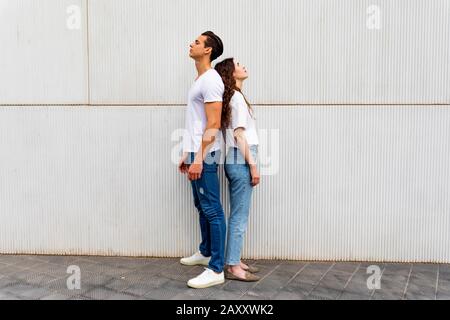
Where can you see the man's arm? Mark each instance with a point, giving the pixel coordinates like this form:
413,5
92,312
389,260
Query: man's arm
213,112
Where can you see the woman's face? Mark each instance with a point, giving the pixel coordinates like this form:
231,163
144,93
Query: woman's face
240,73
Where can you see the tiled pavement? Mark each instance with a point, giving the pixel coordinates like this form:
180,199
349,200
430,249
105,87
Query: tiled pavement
45,277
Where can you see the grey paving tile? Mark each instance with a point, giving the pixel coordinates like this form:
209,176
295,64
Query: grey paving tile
263,293
442,296
116,261
265,262
60,286
112,271
277,279
322,293
45,277
153,269
36,293
27,291
335,279
13,259
52,269
55,296
392,265
88,265
393,287
353,296
290,267
170,289
399,279
420,291
443,288
165,262
197,294
397,268
444,271
56,259
8,296
312,273
422,281
119,284
10,270
99,293
95,279
250,296
121,296
424,274
239,287
425,268
184,296
180,272
79,298
383,294
358,285
21,275
293,292
418,296
303,287
349,267
3,265
27,263
140,289
38,279
225,295
7,281
6,258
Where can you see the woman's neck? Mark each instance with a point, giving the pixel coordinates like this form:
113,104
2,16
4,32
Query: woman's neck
239,83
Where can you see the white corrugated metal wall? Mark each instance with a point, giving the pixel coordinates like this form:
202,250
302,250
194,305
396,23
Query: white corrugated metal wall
360,118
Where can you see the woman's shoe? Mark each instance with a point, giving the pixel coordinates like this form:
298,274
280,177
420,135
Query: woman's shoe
252,269
249,277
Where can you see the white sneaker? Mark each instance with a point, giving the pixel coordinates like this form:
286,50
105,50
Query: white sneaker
207,279
196,259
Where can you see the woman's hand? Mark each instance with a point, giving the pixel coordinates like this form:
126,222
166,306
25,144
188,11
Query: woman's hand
254,175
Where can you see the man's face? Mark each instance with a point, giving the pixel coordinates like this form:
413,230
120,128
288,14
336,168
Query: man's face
197,48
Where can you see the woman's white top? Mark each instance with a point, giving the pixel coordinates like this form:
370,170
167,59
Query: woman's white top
240,117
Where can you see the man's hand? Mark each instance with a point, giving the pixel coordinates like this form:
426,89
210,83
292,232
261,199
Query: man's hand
182,166
195,171
254,175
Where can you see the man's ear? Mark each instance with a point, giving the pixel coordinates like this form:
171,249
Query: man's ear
208,50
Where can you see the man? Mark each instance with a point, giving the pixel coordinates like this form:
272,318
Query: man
201,154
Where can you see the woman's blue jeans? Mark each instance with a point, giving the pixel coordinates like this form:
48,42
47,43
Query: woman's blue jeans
237,172
206,191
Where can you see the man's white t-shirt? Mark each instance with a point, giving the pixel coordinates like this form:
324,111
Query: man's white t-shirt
240,117
207,88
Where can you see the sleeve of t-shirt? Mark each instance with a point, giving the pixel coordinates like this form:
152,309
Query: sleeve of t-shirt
213,89
238,112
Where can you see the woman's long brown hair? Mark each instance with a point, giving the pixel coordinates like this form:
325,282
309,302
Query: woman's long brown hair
225,69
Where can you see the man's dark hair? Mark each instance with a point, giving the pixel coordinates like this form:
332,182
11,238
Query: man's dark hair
214,42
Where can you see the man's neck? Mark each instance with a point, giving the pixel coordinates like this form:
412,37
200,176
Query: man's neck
202,66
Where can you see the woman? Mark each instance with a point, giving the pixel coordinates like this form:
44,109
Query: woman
240,164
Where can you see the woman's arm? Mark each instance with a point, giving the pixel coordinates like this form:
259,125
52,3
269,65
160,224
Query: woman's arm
243,146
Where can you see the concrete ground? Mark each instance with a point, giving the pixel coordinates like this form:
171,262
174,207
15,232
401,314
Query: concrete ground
47,277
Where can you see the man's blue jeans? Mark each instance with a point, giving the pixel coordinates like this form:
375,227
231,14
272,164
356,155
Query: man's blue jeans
206,191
